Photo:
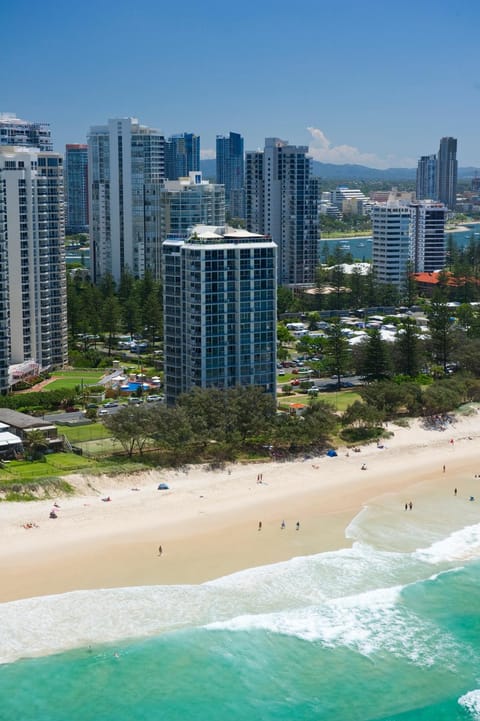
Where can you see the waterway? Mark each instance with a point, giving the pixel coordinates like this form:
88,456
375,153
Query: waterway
361,247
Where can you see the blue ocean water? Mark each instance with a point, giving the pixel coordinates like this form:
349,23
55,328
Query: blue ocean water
388,629
361,248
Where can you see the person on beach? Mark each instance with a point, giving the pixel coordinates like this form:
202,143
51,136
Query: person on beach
455,492
259,525
297,527
444,469
283,525
410,505
160,550
406,506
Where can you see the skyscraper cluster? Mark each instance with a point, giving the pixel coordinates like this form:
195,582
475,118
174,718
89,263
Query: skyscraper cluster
437,174
148,209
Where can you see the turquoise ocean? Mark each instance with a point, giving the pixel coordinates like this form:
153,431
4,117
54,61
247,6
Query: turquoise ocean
386,629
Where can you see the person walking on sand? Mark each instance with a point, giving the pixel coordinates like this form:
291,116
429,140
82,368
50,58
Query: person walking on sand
297,527
406,506
259,525
160,550
444,469
410,505
455,492
283,525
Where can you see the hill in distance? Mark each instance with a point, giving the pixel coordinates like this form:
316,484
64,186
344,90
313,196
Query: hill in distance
354,172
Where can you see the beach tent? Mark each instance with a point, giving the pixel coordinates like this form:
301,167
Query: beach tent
331,453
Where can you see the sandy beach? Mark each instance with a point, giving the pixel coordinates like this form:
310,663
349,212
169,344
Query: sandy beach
207,522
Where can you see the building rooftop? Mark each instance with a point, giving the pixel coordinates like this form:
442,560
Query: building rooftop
21,420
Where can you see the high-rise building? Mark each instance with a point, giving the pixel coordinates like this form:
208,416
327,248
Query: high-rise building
182,155
14,131
281,200
190,201
426,186
407,234
231,172
447,170
219,289
76,189
126,164
427,233
33,313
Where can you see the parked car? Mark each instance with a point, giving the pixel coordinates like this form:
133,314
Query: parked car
111,404
163,487
295,382
154,399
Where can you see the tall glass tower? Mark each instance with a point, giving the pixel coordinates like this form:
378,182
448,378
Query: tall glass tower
76,188
230,164
182,155
447,170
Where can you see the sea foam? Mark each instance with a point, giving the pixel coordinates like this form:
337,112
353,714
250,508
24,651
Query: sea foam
463,545
471,702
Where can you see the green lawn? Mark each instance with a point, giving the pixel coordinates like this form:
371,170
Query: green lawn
340,400
78,434
54,464
71,379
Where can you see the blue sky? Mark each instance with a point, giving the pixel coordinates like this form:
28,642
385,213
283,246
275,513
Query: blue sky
376,83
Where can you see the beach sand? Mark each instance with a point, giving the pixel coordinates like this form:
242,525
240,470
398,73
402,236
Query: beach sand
207,522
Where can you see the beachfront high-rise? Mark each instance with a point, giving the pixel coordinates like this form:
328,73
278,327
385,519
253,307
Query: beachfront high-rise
24,133
126,164
182,155
447,170
76,188
190,201
426,184
219,286
407,235
230,164
281,200
33,312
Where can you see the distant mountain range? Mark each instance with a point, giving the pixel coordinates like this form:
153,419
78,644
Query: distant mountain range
329,171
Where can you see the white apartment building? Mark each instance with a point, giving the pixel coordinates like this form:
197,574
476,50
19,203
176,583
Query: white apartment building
18,132
351,200
407,233
33,313
126,164
281,200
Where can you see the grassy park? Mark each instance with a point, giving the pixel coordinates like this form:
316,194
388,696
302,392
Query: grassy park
72,379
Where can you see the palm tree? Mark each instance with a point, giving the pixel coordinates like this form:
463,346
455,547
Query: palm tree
36,443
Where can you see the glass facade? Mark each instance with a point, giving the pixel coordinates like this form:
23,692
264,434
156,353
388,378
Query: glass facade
220,311
230,166
76,189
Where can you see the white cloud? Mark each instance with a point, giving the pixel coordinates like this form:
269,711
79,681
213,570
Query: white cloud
207,154
321,149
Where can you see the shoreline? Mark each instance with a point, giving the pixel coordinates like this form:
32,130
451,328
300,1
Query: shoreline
207,522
